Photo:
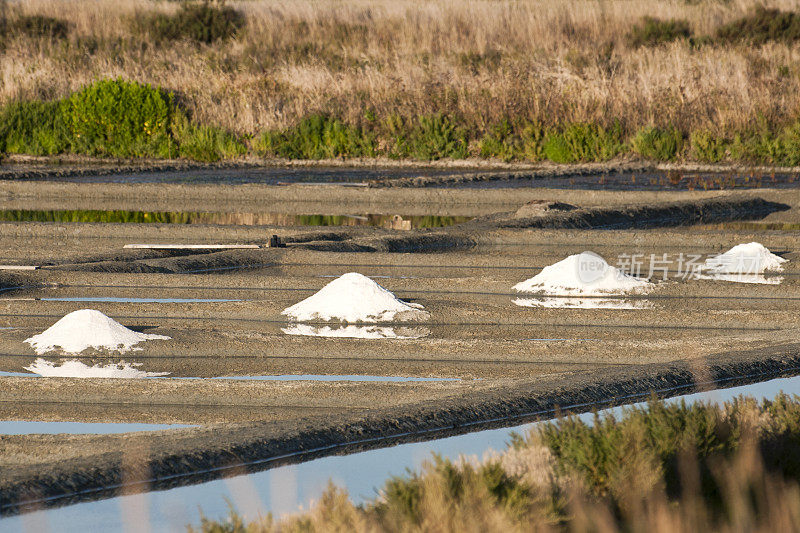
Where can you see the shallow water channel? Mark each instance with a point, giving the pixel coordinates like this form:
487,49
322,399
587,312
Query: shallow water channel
285,489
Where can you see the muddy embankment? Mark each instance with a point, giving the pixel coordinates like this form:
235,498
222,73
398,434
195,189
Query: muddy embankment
713,210
459,237
184,457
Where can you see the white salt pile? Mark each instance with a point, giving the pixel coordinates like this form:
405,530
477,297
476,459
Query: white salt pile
357,332
750,258
354,298
77,369
584,274
88,328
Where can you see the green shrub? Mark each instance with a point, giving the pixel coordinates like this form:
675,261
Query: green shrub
762,25
36,128
38,26
437,137
582,142
653,32
500,142
659,144
199,22
205,143
707,147
533,137
790,139
121,119
768,147
317,137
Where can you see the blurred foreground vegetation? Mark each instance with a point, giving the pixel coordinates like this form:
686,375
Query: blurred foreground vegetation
664,467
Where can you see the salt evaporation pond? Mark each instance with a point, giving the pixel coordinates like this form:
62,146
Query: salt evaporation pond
282,490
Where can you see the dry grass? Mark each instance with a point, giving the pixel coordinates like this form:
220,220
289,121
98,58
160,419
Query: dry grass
553,62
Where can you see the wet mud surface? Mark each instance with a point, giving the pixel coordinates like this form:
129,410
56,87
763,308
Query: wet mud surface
510,362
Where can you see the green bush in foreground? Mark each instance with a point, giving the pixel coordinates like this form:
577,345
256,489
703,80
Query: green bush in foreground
36,128
436,137
316,137
121,119
584,142
115,118
708,148
653,32
205,143
657,143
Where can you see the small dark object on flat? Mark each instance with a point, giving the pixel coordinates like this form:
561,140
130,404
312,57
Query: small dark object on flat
275,242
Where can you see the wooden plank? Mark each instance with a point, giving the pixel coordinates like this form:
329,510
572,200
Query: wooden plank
193,246
18,267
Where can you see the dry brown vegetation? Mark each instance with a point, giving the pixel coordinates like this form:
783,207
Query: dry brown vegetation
662,469
483,61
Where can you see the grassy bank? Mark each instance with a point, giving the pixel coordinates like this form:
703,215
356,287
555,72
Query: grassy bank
660,468
118,118
569,81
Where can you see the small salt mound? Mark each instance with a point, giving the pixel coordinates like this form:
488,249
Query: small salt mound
88,328
750,258
77,369
584,274
357,332
354,298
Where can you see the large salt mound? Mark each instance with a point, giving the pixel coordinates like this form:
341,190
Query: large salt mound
354,298
88,328
77,369
750,258
584,274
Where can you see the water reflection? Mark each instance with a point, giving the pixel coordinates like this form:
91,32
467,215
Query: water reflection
78,369
743,278
358,332
583,303
233,219
285,489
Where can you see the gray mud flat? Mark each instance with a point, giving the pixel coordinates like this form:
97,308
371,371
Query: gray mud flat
512,363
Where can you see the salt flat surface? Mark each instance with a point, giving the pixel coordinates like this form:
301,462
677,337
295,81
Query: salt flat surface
354,298
85,329
583,274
